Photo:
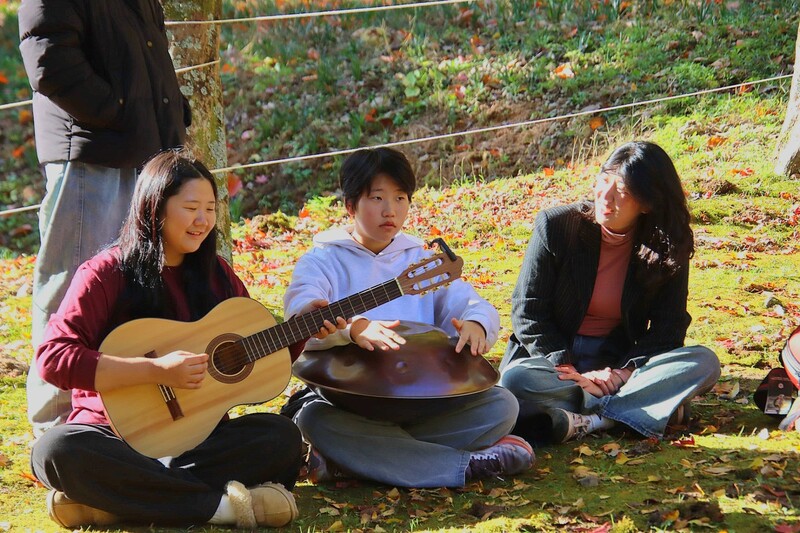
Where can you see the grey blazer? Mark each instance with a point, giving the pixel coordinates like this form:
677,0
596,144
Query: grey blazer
555,286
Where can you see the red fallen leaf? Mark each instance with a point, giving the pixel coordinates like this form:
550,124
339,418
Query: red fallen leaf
25,117
304,213
234,185
460,92
715,140
596,122
549,171
462,147
435,231
370,115
464,16
744,89
19,231
743,171
787,528
30,477
227,68
686,442
3,78
564,71
604,528
18,152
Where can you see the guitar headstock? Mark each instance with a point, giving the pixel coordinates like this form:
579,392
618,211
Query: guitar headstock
431,273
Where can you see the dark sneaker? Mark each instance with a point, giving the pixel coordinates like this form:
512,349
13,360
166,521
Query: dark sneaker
568,425
509,455
71,514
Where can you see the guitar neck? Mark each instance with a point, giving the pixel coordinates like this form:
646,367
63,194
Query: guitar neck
303,326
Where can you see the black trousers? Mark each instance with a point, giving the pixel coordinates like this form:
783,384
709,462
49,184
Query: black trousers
93,466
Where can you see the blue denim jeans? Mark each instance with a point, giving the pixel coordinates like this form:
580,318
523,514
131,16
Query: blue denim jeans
82,211
433,451
645,403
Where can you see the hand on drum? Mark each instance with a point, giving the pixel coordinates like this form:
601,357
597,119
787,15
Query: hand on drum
472,333
371,334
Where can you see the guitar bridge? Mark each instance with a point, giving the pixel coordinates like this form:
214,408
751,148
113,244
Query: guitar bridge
168,395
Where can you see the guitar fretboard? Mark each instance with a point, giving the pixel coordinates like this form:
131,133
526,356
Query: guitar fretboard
304,326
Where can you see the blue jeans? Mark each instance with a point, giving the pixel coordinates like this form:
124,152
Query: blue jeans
82,212
433,451
645,403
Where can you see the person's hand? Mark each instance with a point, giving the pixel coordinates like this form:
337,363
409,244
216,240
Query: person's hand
181,370
472,333
568,373
328,327
371,334
606,380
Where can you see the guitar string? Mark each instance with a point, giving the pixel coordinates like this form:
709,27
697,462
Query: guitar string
279,338
275,344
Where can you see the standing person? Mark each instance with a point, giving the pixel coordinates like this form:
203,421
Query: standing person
449,448
164,265
105,99
599,309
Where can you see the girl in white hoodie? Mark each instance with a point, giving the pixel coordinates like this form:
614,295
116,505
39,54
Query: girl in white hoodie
448,448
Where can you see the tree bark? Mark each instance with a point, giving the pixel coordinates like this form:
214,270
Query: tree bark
788,148
194,45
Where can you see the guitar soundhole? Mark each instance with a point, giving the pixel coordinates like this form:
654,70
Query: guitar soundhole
228,361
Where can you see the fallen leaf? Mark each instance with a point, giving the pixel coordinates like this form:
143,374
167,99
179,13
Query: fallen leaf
564,71
596,122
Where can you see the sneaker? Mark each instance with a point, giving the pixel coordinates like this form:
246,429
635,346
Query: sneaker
71,514
509,455
268,505
568,425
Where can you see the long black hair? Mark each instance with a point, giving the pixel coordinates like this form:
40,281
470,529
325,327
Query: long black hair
663,235
142,248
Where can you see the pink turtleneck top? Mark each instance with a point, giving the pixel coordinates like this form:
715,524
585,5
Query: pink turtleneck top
605,307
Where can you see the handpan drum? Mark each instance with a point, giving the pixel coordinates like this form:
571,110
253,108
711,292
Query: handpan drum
424,377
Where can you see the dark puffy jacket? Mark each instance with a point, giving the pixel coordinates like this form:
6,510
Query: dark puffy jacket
105,90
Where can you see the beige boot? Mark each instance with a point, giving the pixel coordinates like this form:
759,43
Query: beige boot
69,513
263,505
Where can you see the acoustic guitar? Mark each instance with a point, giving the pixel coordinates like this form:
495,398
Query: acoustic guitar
247,363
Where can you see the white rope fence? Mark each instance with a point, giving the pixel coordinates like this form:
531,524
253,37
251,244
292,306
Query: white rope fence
313,14
15,104
469,132
499,127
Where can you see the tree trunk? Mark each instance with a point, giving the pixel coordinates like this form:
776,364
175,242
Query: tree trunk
788,150
195,45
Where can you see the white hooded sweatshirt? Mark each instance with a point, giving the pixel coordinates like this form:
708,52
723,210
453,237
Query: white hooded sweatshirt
338,266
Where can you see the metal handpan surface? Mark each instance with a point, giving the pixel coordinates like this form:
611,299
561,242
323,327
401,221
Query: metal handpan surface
424,375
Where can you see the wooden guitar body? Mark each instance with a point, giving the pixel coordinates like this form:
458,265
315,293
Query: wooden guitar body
248,359
142,415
